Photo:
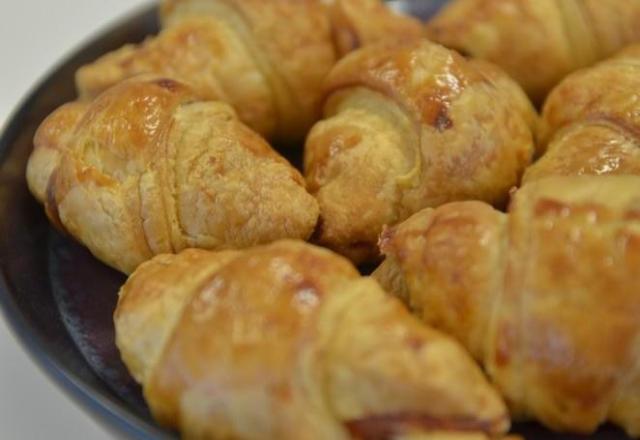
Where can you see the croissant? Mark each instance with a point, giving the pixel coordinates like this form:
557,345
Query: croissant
546,297
591,121
304,348
409,126
149,168
266,58
537,42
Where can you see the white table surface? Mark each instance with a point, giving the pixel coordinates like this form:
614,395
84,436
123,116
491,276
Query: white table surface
35,35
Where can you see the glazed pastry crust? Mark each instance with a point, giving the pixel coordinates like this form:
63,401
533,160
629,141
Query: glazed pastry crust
267,59
591,121
302,349
149,168
537,42
406,127
149,311
545,296
52,134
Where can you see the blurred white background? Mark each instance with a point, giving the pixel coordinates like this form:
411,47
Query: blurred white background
34,36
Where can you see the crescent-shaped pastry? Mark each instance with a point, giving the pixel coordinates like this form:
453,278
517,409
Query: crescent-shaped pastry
410,126
303,348
149,168
546,297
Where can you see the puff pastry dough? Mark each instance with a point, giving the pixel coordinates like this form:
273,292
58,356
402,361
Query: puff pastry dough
149,168
267,58
304,348
591,121
409,126
537,42
546,297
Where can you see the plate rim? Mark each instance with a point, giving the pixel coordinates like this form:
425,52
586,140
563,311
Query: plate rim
113,417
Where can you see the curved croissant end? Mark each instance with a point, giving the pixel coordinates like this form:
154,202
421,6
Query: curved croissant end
267,59
148,168
409,126
537,42
148,309
50,140
453,251
591,121
515,290
304,348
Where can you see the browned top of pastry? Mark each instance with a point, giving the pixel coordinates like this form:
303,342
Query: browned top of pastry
424,78
590,123
527,38
588,148
538,42
606,92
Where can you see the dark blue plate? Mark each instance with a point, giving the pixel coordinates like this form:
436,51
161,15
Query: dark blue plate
57,298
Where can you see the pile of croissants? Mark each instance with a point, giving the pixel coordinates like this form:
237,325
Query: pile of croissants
506,239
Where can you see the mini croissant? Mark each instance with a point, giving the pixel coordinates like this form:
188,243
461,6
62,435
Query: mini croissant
537,42
409,126
546,297
149,168
266,58
304,348
591,121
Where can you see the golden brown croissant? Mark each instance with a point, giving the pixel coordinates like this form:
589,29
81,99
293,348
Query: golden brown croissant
267,58
149,168
537,42
304,348
546,297
591,121
410,126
